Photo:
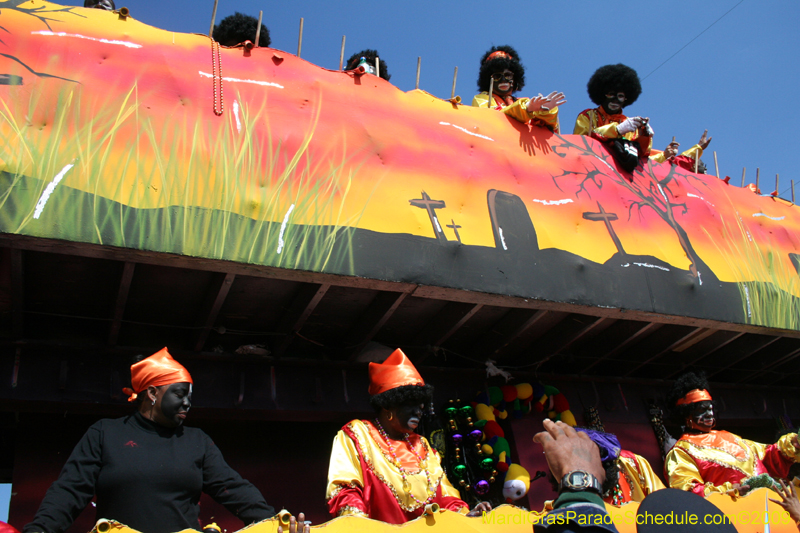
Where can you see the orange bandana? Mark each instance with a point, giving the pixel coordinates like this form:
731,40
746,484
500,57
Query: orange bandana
395,372
697,395
157,370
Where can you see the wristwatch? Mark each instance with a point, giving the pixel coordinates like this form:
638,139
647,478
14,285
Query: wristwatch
578,480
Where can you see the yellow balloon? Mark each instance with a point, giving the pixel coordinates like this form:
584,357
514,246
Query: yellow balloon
484,412
524,391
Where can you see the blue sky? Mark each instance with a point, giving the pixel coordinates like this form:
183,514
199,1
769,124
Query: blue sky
737,79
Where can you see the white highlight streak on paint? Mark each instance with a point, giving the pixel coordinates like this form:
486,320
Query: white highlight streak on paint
502,239
127,44
767,216
50,188
465,130
626,265
236,116
438,227
700,279
283,228
696,196
747,297
648,265
237,80
606,164
553,202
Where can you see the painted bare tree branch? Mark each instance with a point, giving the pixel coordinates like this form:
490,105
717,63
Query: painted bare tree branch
651,192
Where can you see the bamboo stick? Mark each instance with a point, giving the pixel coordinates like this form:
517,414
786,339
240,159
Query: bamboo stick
213,19
341,55
792,182
453,92
716,164
258,30
491,90
758,173
419,63
777,189
378,66
300,40
743,171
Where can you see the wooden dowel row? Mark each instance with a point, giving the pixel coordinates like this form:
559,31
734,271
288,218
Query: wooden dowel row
743,171
258,29
455,76
213,19
300,40
716,164
419,63
341,55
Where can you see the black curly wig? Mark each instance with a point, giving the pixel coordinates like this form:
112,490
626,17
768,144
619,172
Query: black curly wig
238,28
613,79
683,385
499,64
405,395
93,3
370,55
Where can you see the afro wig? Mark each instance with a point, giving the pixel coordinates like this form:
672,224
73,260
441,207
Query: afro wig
683,385
499,64
238,28
405,395
612,79
99,5
370,55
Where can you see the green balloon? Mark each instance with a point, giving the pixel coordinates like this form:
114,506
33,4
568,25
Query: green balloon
460,471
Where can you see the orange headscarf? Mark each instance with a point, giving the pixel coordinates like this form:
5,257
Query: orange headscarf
158,369
395,372
694,396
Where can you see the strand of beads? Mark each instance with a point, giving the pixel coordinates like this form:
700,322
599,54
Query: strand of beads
422,464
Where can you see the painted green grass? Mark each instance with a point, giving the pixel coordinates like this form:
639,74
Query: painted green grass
768,299
271,186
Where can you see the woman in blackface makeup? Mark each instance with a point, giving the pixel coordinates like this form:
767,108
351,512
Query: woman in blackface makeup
146,469
380,468
705,460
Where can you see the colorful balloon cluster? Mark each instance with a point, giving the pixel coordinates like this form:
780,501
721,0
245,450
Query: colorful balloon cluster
521,399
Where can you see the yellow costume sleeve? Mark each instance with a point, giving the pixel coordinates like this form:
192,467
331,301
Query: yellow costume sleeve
583,126
788,449
519,111
682,473
345,467
652,482
658,157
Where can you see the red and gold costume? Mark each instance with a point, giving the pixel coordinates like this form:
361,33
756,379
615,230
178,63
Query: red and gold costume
711,462
517,108
636,479
602,126
695,152
363,479
373,475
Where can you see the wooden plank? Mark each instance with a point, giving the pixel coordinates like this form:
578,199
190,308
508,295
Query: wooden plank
643,332
537,317
741,357
724,342
446,323
303,304
378,312
219,288
774,364
697,332
122,299
17,294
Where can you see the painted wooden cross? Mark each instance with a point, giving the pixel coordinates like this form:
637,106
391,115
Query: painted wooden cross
455,229
607,218
431,206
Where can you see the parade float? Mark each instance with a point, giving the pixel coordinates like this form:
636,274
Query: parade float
272,221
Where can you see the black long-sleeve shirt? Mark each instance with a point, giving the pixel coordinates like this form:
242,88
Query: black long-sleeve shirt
147,477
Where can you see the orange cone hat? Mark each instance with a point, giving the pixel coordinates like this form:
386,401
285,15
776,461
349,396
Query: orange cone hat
158,369
395,372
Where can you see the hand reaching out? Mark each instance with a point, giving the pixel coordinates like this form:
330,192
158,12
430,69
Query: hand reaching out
546,103
704,140
629,125
297,525
790,502
566,450
483,507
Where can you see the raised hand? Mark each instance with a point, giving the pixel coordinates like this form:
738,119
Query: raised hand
704,140
546,103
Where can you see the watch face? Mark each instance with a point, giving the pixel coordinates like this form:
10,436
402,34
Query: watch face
579,480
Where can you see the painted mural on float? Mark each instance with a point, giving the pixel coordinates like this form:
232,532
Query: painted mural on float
117,133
